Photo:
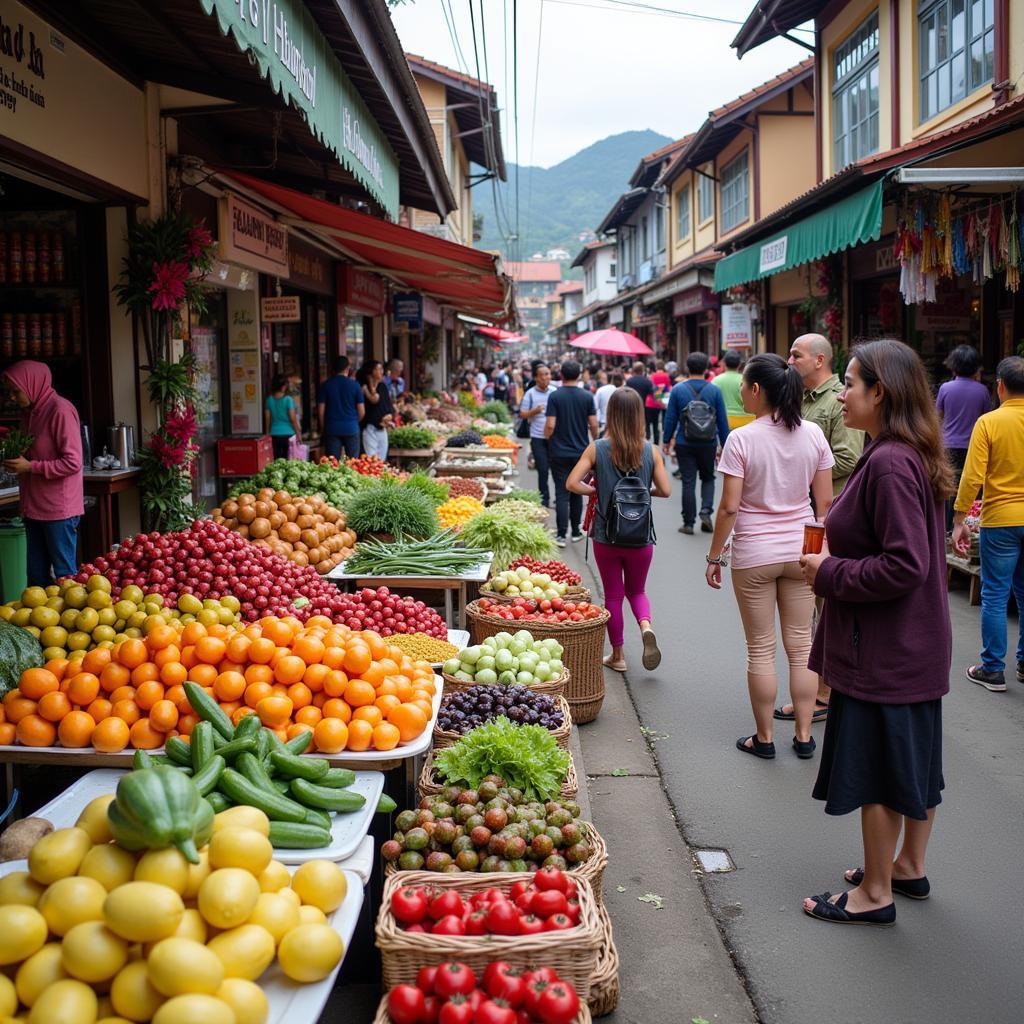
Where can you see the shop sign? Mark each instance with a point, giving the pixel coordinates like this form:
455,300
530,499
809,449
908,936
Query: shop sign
644,316
736,326
773,254
58,100
407,308
251,237
281,309
950,312
431,311
361,291
289,49
616,315
308,268
694,300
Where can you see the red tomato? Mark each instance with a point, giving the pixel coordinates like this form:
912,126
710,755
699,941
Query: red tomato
450,924
530,924
476,923
406,1004
558,1004
409,905
453,978
549,902
503,918
458,1010
444,904
425,980
558,923
550,878
494,1011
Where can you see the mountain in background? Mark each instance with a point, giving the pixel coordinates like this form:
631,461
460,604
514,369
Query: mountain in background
557,204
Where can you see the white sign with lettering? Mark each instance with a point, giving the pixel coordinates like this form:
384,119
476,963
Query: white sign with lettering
773,255
736,326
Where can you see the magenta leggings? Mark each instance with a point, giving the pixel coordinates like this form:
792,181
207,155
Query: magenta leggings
623,574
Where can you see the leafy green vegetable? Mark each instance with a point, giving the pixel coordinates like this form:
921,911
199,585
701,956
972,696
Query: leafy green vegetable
517,495
411,438
496,429
434,490
14,443
19,650
336,486
496,412
527,757
389,507
521,510
507,537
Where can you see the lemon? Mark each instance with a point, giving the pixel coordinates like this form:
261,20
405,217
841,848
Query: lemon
93,818
133,994
65,1002
110,865
132,593
22,616
310,952
321,883
33,597
87,620
290,894
247,1000
99,599
143,911
41,970
35,631
274,877
54,636
125,608
44,617
242,816
6,612
79,641
157,599
240,848
8,997
92,952
165,867
76,655
71,901
22,931
58,854
227,897
179,966
196,875
245,952
68,618
103,634
97,582
190,603
75,597
190,1009
20,887
277,914
192,926
312,915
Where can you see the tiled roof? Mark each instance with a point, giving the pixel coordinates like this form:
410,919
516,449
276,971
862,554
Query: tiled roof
440,69
667,150
567,287
534,270
773,83
597,243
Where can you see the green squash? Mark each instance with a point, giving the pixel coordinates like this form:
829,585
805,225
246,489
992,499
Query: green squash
19,650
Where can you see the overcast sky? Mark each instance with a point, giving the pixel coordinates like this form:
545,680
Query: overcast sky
602,66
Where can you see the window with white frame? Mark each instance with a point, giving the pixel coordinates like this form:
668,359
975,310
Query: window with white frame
855,95
736,191
683,213
705,197
956,51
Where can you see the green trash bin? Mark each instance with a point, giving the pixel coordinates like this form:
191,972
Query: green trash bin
13,549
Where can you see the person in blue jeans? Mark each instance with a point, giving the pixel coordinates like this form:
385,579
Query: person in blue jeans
696,455
995,461
341,409
532,409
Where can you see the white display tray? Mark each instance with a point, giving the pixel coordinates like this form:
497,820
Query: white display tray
361,862
290,1001
347,832
457,637
478,573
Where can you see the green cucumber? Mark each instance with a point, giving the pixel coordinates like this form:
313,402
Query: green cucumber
263,745
201,742
327,799
299,743
319,818
209,710
385,805
218,801
287,835
230,751
281,785
275,740
141,760
293,767
250,768
179,751
179,767
248,725
337,778
208,776
238,788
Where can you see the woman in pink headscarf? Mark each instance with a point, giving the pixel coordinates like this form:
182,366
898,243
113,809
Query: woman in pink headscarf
50,473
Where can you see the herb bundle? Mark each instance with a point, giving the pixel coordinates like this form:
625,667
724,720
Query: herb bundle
506,536
390,507
410,438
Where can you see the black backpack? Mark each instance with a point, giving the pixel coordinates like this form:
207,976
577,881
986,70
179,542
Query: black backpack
630,522
699,420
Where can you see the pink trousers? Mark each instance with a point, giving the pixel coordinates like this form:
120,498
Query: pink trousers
623,575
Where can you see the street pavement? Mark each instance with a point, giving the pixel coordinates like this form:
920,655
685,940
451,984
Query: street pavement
953,958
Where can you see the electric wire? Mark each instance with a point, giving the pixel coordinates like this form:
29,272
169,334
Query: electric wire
533,124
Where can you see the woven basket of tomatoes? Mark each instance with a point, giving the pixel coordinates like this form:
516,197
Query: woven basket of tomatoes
604,983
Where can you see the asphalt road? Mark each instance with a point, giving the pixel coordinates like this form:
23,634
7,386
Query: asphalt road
954,958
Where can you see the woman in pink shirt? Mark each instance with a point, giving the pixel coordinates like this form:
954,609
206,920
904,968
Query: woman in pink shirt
769,468
50,477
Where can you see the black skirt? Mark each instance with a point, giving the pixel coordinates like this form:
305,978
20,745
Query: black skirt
887,754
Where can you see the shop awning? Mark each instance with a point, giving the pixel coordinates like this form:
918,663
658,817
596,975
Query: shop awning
851,221
469,280
499,334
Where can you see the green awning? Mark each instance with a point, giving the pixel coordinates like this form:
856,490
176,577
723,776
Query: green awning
851,221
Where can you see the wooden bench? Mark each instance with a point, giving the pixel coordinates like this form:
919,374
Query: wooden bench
957,568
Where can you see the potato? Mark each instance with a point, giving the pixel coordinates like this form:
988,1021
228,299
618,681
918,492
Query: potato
17,840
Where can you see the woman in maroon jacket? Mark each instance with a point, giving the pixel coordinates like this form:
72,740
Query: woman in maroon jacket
884,641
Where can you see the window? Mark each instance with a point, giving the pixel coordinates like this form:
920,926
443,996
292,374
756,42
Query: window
956,44
735,192
705,197
645,248
611,272
683,213
855,96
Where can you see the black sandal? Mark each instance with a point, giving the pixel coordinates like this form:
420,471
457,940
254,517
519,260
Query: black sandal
757,748
912,888
836,913
804,751
819,715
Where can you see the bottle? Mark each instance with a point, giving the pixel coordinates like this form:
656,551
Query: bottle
15,257
28,257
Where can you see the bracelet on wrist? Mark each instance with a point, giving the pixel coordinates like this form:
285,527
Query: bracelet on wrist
720,560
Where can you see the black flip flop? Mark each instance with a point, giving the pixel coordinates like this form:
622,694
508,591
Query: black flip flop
836,913
912,888
819,715
804,751
757,748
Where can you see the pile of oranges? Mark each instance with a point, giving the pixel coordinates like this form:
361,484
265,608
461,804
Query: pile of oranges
351,690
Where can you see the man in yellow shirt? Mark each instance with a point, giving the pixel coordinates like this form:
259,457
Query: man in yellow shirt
995,462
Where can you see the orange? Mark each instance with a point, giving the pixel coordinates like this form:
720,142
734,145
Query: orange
123,693
95,661
177,695
259,674
308,715
359,693
277,630
410,720
368,714
210,649
386,736
330,735
173,673
188,656
336,708
274,711
217,630
335,682
239,713
113,676
253,631
229,686
99,709
11,695
83,688
238,648
297,728
131,653
374,675
320,699
386,687
255,692
127,710
357,659
386,702
300,695
160,637
425,706
169,655
203,673
3,714
163,715
186,723
110,735
58,666
360,735
147,672
76,729
54,706
229,707
20,708
309,649
36,731
290,669
314,677
389,666
262,650
143,736
334,657
8,734
279,690
36,682
377,644
192,632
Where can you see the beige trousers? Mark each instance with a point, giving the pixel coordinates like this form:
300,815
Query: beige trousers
759,591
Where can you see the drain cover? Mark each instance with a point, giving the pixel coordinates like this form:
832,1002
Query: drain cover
714,860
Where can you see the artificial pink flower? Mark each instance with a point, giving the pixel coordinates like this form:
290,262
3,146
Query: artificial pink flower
181,425
169,455
169,284
199,239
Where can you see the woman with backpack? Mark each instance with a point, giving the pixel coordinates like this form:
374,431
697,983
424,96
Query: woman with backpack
768,469
621,471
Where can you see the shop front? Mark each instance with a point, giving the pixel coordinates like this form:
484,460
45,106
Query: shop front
416,339
361,305
695,313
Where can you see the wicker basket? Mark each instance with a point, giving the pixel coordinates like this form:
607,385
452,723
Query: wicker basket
583,650
591,869
442,739
604,983
430,785
382,1012
572,953
553,687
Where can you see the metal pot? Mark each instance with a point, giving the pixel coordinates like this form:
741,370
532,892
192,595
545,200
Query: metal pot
121,437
